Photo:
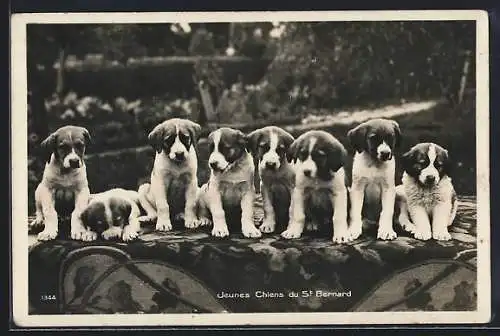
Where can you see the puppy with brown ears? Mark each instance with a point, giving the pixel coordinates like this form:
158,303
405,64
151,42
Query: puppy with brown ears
373,173
320,194
174,183
113,214
426,199
230,192
270,145
64,171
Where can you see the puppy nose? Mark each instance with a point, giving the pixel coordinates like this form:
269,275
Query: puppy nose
74,163
213,165
307,172
385,155
271,165
430,179
179,155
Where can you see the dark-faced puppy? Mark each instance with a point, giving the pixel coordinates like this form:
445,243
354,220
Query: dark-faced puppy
426,198
113,214
64,171
174,182
373,173
270,145
230,191
320,191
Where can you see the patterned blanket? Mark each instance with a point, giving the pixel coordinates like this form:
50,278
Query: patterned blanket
179,272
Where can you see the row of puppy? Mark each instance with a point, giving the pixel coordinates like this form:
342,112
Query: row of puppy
302,182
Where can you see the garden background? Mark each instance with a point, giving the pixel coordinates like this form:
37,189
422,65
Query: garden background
119,81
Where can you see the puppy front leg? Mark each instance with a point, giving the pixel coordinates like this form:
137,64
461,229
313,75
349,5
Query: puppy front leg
163,222
269,222
46,200
297,215
78,231
340,228
189,211
220,228
132,229
420,218
440,220
247,219
144,192
401,203
112,232
356,194
385,223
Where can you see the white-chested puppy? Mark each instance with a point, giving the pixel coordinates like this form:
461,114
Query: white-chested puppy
426,199
113,214
174,183
319,197
270,145
373,173
229,194
64,171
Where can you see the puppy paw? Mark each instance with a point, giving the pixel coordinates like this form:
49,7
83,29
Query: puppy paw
312,226
191,222
129,233
422,234
47,234
88,236
251,231
203,221
111,233
292,233
163,224
146,219
220,231
36,223
267,226
407,226
386,234
78,233
342,237
441,235
355,230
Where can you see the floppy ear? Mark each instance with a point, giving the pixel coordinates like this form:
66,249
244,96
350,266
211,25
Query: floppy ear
406,159
84,217
243,140
336,158
292,152
397,134
155,138
125,209
357,138
194,130
447,164
253,140
288,139
48,146
86,135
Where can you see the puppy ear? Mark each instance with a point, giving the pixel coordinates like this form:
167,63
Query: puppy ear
86,135
288,139
84,217
406,159
357,138
155,137
336,158
447,163
125,209
244,141
397,134
292,152
194,130
48,146
253,140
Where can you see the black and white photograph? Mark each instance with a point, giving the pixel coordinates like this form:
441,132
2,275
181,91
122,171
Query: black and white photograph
250,168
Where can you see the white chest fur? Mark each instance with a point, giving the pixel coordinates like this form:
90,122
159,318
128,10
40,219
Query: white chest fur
367,170
427,197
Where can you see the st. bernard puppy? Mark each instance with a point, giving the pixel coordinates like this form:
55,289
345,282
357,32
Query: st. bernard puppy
269,146
320,194
174,183
373,173
113,214
229,194
64,172
426,198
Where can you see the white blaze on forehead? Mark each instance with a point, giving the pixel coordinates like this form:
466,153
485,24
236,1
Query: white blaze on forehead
216,156
177,146
432,154
312,143
217,136
308,163
108,214
272,154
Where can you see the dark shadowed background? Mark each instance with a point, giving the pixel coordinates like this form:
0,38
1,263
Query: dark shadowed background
119,81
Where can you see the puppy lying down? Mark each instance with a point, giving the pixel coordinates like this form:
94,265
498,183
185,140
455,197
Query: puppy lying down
113,214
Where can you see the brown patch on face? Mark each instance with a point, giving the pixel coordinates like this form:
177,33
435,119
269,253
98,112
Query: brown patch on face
120,211
233,144
65,140
162,137
260,142
94,217
367,136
